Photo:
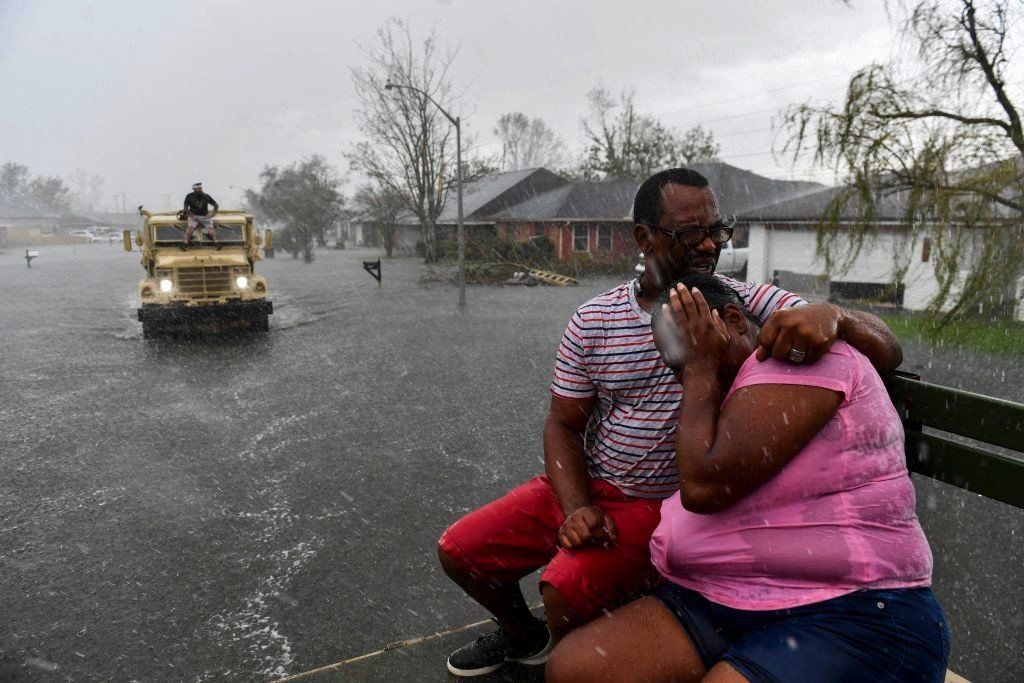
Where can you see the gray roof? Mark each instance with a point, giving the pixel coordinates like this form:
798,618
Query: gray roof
498,191
538,194
812,207
10,208
738,191
600,200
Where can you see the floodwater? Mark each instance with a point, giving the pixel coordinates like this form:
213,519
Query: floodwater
246,509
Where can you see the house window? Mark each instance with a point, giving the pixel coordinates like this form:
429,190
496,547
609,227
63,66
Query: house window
581,237
604,237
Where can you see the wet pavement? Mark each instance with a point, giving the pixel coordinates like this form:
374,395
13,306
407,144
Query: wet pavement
246,509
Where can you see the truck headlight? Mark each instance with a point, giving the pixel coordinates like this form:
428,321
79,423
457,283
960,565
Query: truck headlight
241,282
166,285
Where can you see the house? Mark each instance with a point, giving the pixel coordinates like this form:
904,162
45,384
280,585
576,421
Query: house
591,217
362,230
20,216
783,245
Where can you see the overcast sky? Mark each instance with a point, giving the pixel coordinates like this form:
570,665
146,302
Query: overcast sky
155,95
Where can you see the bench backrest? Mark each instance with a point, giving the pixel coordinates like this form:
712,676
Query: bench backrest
968,440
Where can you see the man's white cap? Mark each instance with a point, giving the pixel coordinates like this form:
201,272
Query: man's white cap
196,186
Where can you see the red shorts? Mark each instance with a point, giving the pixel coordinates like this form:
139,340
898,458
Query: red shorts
512,536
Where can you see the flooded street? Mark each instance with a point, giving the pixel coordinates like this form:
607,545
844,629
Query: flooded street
250,508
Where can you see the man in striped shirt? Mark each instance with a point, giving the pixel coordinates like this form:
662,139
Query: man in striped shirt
610,433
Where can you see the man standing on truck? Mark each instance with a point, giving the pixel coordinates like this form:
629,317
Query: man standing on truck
609,437
196,204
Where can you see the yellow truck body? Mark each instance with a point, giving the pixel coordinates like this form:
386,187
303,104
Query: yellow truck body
202,285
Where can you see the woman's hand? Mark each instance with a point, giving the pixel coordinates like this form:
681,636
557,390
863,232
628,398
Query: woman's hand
701,333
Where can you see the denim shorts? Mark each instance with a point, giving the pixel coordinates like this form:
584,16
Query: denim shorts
869,635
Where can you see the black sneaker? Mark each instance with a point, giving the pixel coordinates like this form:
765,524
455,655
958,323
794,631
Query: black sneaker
489,653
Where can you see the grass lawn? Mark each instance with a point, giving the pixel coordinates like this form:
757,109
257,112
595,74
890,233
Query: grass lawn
1004,338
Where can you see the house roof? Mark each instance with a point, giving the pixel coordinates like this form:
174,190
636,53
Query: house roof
537,194
811,207
738,190
10,208
600,200
498,191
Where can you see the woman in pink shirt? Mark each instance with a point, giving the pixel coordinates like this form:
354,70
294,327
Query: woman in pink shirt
792,551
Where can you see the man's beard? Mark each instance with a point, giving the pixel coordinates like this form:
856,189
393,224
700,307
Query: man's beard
692,263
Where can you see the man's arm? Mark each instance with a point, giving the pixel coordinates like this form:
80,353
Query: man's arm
813,329
216,207
565,465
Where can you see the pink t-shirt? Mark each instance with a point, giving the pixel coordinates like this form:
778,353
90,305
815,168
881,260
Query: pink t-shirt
837,518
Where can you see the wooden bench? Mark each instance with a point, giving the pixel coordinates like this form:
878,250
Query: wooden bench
968,440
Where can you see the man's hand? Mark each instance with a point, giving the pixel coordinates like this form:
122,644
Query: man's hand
588,524
802,335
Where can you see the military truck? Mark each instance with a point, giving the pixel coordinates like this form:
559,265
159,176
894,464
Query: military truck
204,285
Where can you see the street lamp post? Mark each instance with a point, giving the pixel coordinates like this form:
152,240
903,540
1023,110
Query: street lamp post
457,122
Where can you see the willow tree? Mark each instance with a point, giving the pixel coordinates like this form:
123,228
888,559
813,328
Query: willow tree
940,128
409,143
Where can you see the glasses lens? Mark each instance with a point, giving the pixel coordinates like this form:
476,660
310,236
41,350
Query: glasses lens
721,235
689,237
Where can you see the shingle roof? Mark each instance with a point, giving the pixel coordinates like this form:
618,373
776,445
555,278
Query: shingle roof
602,200
497,191
14,209
739,191
812,207
538,194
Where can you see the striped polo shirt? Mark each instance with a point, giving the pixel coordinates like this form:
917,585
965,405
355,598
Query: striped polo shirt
608,351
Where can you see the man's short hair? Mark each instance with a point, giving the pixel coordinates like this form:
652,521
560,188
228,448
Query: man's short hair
648,205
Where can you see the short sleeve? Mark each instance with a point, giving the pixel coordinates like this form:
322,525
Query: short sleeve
763,300
571,378
839,370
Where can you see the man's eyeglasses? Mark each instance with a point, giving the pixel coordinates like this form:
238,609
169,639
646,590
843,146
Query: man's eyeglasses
720,233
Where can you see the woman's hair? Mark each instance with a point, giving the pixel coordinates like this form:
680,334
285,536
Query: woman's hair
715,292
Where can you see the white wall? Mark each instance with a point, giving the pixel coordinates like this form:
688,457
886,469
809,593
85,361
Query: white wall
794,250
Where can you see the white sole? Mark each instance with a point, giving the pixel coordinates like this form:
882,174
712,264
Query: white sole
469,673
533,660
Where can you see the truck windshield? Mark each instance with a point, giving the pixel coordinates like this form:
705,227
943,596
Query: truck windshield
175,233
169,233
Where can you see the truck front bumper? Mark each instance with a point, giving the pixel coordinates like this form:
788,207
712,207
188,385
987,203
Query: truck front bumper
181,314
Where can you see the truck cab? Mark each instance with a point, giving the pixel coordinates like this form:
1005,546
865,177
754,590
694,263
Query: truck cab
205,285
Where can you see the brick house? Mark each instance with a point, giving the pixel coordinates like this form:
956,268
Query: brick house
591,217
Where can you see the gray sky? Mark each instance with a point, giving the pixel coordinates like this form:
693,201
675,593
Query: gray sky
155,95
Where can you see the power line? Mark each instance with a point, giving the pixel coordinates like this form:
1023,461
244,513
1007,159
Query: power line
754,94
